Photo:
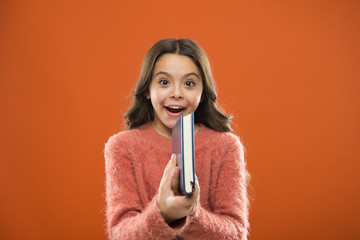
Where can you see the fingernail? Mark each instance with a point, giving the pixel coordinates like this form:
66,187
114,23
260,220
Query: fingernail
193,186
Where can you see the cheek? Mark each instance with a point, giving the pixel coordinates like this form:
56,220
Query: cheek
157,96
195,99
198,99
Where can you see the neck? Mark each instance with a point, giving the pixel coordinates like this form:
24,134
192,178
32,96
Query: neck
167,132
162,130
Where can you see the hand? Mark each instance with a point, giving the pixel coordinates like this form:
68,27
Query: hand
172,205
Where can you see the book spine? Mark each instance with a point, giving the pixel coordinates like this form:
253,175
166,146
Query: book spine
193,149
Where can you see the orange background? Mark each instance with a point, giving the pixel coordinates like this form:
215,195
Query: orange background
287,70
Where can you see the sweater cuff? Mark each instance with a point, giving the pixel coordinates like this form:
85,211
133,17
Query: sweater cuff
161,228
188,220
156,223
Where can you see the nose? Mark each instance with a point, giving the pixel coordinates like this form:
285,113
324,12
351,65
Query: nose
176,93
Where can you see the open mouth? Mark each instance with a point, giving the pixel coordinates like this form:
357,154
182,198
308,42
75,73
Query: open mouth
174,109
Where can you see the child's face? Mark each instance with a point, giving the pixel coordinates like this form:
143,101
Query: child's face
175,89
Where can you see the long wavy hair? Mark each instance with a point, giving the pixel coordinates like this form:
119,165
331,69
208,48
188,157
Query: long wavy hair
208,111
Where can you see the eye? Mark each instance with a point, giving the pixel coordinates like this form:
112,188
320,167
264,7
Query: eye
189,83
164,82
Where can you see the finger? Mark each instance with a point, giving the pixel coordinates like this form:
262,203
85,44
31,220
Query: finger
169,164
196,194
197,184
185,201
175,181
192,209
166,178
173,160
171,170
195,197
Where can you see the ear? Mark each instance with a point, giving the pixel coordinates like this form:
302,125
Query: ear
147,94
202,97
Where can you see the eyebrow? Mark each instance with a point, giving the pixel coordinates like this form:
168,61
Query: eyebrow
185,76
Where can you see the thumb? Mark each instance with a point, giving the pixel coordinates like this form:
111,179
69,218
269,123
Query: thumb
175,181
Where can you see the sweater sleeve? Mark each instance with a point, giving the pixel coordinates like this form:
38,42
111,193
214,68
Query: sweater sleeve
127,217
228,218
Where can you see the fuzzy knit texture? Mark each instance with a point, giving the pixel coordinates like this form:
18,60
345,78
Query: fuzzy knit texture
135,161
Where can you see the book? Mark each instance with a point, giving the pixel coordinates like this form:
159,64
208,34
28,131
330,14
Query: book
184,148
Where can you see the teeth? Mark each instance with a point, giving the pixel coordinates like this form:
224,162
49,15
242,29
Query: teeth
174,107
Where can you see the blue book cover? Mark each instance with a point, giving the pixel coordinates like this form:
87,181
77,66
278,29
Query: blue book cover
183,147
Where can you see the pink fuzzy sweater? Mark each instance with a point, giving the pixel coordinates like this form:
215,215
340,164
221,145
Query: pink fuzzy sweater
135,161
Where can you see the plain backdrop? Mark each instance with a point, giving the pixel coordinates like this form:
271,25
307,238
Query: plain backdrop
288,71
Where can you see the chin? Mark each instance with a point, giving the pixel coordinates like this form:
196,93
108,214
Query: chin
170,124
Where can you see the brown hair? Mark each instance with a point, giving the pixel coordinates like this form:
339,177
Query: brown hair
207,113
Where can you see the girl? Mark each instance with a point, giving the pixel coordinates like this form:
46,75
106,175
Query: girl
142,195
